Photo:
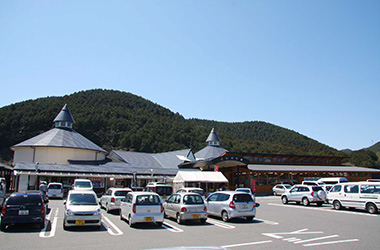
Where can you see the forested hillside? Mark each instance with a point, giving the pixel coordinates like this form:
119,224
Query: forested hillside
120,120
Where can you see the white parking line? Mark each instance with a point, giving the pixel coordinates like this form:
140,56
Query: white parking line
330,242
268,222
247,244
172,228
220,224
53,225
118,231
322,209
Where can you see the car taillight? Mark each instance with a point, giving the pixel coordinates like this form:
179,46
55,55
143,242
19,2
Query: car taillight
162,208
3,210
232,204
61,190
112,199
312,193
183,209
134,208
42,209
205,209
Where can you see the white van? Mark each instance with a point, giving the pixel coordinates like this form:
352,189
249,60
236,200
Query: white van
162,189
82,184
333,180
360,195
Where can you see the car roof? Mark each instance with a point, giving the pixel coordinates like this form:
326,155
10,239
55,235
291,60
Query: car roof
142,193
191,188
81,192
81,180
187,193
55,183
230,192
34,192
120,189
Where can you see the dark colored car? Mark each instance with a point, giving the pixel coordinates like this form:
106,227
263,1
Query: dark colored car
23,207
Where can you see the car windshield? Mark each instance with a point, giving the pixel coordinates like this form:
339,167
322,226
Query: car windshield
25,200
54,186
192,199
147,200
121,193
164,190
83,184
287,186
242,198
243,190
82,199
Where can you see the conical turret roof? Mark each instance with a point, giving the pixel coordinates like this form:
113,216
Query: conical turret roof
213,136
64,115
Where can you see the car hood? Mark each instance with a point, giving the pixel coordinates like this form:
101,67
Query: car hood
83,208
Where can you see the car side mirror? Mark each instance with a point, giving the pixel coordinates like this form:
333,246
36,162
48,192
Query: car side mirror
64,203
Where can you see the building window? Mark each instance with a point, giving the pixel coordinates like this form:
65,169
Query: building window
268,159
285,160
258,159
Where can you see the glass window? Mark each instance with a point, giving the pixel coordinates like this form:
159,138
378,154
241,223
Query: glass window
147,200
242,198
192,199
164,190
336,189
25,200
82,199
121,193
213,197
223,197
351,189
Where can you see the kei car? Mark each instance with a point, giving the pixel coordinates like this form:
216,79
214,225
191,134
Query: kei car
111,199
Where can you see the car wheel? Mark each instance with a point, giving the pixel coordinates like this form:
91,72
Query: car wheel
203,221
107,208
337,205
225,216
121,216
42,225
371,208
179,220
130,221
3,226
159,224
305,201
249,218
284,200
275,193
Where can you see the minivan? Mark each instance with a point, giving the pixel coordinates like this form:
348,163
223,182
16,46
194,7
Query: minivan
82,184
162,189
360,195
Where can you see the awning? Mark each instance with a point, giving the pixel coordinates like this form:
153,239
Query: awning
200,176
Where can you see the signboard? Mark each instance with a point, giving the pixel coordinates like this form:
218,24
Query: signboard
253,187
216,169
97,182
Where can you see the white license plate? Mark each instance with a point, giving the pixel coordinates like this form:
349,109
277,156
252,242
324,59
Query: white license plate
23,212
244,206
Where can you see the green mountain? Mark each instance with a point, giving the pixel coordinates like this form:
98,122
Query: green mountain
375,148
121,120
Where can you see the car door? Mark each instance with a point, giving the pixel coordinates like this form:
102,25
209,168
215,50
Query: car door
168,205
105,198
352,196
126,205
211,203
294,194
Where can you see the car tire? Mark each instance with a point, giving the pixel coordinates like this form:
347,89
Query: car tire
305,201
250,218
159,224
121,216
203,221
225,216
64,226
371,208
337,205
284,200
130,221
274,193
178,218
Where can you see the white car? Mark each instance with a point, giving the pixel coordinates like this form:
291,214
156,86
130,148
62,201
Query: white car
54,190
82,209
142,207
304,194
82,184
196,190
279,189
111,199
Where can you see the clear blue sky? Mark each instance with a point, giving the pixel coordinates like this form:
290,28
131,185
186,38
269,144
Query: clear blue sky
309,66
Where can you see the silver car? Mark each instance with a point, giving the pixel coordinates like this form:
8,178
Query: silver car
185,206
231,204
279,189
304,194
142,207
82,209
111,199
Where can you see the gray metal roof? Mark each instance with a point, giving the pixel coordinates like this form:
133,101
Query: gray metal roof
60,137
308,168
210,152
213,136
64,115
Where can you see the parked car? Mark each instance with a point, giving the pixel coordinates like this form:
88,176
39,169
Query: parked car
111,199
23,207
81,209
360,195
185,206
305,194
231,204
45,199
333,180
279,189
82,184
164,190
199,191
55,190
142,207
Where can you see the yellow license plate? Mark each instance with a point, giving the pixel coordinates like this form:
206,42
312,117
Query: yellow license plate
54,195
163,197
148,218
195,216
79,222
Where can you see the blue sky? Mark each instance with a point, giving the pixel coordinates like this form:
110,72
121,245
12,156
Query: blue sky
309,66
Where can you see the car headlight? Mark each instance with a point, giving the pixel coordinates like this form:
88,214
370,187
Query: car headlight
97,212
69,212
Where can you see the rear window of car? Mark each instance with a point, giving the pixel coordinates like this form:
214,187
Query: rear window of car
147,200
121,193
83,184
164,190
192,199
24,200
82,199
317,188
55,186
242,198
200,192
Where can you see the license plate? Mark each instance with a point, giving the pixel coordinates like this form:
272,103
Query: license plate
195,216
148,218
54,195
244,206
163,197
23,212
79,222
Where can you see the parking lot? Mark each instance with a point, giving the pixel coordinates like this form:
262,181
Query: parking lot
275,226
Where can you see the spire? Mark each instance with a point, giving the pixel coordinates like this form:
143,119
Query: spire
64,119
213,139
